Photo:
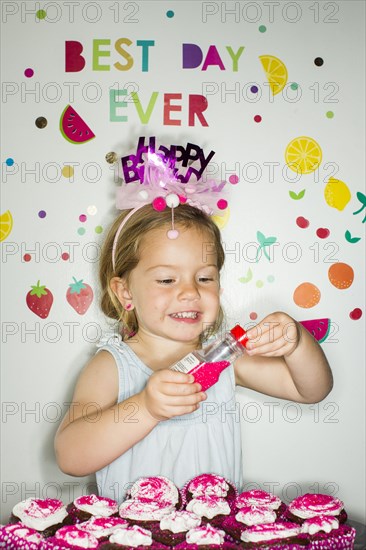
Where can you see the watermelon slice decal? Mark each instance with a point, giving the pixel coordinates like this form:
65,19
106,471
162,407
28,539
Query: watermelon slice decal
319,328
73,127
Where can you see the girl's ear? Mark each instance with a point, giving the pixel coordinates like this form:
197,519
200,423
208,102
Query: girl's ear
120,289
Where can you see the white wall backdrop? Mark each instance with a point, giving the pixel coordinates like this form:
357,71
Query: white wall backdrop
58,199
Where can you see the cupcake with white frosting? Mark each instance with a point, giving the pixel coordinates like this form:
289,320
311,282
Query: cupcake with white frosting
312,505
71,537
85,507
174,526
209,485
133,536
326,533
44,515
205,537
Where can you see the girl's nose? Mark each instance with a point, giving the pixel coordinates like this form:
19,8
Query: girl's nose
189,291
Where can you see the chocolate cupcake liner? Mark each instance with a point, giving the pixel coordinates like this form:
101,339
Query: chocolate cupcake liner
170,539
338,539
10,541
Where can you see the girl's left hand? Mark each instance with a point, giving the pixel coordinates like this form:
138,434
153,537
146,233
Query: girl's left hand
277,335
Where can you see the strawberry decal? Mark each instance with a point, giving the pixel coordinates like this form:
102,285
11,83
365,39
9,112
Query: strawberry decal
39,300
80,296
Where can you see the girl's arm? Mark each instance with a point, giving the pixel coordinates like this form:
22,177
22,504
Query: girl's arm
284,360
96,429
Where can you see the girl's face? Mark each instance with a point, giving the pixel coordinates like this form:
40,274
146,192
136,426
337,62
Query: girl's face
175,287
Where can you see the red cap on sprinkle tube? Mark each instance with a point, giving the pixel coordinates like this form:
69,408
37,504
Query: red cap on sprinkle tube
240,335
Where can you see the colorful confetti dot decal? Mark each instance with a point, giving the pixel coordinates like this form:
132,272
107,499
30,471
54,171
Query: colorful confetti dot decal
257,118
356,314
42,214
254,89
111,158
234,179
302,222
294,86
322,233
329,114
27,257
99,229
262,28
41,122
9,162
306,295
92,210
303,155
259,284
341,275
6,225
82,218
276,72
337,194
41,14
319,61
65,256
170,14
81,231
270,278
67,171
253,315
28,73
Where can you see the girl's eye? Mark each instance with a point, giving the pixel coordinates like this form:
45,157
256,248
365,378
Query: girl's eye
165,281
205,279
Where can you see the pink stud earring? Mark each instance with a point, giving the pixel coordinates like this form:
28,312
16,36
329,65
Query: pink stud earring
128,307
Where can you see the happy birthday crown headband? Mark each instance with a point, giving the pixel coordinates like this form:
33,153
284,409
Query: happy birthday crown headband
153,177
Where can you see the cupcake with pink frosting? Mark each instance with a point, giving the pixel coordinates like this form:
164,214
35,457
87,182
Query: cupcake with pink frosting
156,489
149,500
133,536
19,536
43,515
257,497
174,526
211,509
325,533
312,505
276,536
85,507
247,516
70,537
101,527
205,537
210,485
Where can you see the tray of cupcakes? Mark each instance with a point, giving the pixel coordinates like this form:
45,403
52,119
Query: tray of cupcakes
207,513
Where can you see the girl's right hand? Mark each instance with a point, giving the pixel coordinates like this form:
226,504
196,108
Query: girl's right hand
170,393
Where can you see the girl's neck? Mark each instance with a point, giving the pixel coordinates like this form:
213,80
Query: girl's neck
159,353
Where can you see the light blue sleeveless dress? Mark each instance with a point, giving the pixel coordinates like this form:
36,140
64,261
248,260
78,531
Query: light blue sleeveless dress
205,441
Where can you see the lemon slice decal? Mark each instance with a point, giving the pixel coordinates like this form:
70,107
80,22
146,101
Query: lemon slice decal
221,219
337,194
6,225
276,72
303,155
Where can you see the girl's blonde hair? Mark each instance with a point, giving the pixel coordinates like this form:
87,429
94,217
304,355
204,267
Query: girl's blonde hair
127,254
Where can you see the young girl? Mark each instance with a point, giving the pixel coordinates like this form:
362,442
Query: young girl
131,416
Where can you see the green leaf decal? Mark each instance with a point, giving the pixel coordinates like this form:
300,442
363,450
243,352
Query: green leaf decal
351,239
297,196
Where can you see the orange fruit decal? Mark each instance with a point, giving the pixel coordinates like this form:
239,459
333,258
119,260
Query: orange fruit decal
341,275
306,295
